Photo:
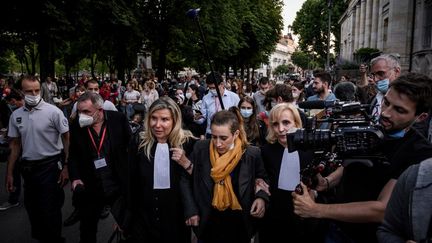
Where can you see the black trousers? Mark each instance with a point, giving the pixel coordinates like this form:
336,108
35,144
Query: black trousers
43,200
90,202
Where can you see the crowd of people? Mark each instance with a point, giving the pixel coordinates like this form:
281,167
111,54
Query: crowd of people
209,158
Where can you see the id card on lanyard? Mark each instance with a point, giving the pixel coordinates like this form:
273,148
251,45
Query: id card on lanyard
99,162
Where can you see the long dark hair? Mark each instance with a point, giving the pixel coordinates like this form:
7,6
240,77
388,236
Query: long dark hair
251,126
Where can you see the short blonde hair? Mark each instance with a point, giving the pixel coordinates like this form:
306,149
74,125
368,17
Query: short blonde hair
276,113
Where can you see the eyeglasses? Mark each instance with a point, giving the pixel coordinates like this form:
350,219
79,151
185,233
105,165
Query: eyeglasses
380,74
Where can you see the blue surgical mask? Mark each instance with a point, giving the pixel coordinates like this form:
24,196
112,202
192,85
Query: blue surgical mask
246,113
382,85
397,134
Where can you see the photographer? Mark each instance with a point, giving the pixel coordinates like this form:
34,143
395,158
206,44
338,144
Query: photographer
363,191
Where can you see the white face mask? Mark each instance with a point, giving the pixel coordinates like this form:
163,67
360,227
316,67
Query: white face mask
295,95
32,100
213,92
188,95
85,120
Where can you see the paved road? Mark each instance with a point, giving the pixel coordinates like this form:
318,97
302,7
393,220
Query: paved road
15,226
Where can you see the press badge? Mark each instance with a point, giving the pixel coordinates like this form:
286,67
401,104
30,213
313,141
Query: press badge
100,163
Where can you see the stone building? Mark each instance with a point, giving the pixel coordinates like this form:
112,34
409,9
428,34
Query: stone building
285,47
402,27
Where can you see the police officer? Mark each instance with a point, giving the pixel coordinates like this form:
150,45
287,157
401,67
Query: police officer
42,131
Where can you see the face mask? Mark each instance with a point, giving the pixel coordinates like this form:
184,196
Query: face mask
192,82
401,133
85,120
382,85
188,95
295,95
397,134
80,92
246,113
273,104
32,100
180,98
12,107
213,92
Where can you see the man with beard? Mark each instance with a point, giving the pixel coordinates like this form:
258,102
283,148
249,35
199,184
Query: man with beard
321,88
364,191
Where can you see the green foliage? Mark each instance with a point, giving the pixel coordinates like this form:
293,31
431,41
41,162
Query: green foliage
59,37
301,59
364,54
311,24
282,69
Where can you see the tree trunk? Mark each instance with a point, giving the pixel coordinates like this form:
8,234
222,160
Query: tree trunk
227,71
248,74
46,56
160,73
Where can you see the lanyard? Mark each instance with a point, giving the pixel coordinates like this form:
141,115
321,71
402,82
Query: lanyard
98,149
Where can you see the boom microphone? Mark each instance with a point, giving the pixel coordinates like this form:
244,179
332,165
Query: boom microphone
317,104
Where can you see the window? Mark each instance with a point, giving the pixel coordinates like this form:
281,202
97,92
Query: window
427,29
385,32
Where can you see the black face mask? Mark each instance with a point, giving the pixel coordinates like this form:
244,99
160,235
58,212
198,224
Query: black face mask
115,86
234,89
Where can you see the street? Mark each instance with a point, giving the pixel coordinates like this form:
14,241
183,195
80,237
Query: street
15,226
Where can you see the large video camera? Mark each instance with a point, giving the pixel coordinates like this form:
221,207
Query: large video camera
350,136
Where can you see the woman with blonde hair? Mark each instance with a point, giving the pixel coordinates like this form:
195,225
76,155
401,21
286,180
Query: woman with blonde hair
284,169
149,94
159,177
226,168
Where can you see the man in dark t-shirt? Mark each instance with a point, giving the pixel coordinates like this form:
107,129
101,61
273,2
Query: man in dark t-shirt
363,192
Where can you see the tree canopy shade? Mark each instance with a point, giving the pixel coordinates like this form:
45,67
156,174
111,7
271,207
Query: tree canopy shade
311,25
239,33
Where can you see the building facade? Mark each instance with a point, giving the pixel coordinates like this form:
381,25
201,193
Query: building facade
401,27
285,47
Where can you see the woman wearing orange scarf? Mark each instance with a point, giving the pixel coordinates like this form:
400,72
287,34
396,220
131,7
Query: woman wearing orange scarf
224,174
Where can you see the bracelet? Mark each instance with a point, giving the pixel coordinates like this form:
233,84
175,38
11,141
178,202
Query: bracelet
328,183
189,167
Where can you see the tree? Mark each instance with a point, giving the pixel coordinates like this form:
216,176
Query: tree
301,59
364,55
281,69
311,26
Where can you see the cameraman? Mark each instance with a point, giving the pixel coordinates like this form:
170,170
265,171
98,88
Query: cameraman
363,191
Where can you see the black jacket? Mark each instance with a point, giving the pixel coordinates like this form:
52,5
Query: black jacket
248,169
113,180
